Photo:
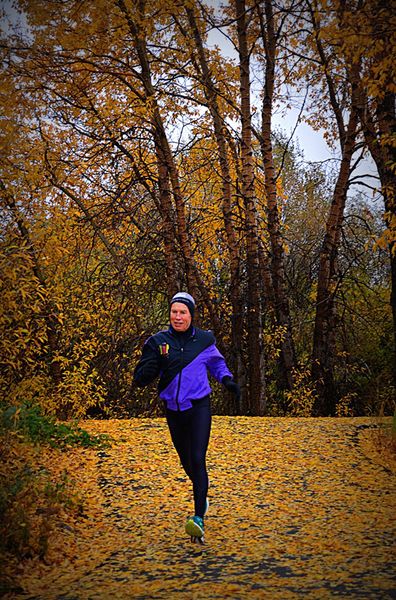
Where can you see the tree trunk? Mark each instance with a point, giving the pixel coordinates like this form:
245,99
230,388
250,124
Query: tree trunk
164,166
323,353
165,207
282,310
257,383
204,72
167,170
324,329
379,125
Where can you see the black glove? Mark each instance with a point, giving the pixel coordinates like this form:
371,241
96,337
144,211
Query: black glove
232,386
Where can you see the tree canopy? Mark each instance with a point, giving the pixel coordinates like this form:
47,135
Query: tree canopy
138,159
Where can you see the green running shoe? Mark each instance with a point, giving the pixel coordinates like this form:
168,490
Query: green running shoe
195,527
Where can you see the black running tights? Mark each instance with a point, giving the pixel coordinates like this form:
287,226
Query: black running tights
190,431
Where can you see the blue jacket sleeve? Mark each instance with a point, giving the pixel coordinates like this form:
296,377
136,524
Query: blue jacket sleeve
148,367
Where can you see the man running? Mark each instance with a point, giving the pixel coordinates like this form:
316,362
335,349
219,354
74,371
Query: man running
181,356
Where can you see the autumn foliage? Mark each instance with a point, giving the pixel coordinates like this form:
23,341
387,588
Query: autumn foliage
139,158
296,506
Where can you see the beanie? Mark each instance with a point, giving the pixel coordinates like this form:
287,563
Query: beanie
186,299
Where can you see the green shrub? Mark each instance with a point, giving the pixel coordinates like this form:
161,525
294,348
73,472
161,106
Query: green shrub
32,424
32,498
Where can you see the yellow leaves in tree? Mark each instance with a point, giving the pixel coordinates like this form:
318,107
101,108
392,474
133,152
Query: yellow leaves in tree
301,397
388,237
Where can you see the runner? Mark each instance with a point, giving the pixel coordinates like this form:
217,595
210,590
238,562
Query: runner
181,356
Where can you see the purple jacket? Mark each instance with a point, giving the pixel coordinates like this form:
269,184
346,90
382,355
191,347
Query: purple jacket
182,364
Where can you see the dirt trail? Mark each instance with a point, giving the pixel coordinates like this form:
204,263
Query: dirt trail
297,509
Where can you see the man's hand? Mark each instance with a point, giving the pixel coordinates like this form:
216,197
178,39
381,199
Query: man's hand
232,386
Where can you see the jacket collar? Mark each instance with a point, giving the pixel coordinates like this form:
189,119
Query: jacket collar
190,332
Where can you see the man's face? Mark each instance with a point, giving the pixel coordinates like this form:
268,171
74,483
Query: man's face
180,317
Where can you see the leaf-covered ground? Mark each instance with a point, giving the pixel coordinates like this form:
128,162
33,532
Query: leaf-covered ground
298,508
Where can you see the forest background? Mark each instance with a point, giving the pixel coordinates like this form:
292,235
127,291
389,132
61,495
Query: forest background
138,159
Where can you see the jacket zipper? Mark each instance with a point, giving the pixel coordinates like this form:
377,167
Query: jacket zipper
178,383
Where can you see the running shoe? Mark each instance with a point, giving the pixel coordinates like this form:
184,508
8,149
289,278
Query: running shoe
195,527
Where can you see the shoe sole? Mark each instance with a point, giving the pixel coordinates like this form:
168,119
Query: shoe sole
193,529
198,540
